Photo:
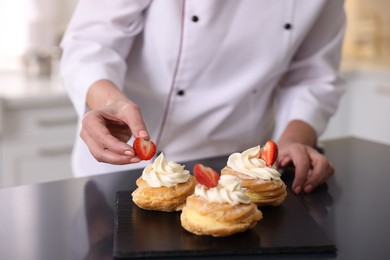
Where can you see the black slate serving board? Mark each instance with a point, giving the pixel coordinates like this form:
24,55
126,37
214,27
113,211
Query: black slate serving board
288,228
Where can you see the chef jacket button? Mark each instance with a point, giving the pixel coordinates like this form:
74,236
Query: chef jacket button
195,18
180,92
287,26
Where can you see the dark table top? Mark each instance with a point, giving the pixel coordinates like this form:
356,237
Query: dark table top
73,219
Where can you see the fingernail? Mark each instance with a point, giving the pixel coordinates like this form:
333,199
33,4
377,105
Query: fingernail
308,188
297,189
129,153
143,133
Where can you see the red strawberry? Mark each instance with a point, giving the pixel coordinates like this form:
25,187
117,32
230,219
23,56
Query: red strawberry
269,153
206,176
144,149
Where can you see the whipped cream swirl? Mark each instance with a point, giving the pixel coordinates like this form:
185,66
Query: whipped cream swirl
249,163
228,190
164,173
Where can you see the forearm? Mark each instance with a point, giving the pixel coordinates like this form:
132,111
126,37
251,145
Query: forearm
298,131
103,93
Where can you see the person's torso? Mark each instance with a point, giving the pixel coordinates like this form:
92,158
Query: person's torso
204,72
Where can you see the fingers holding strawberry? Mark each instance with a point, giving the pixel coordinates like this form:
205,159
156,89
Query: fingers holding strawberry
109,124
106,137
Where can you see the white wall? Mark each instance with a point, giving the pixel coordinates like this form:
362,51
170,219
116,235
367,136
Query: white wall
27,25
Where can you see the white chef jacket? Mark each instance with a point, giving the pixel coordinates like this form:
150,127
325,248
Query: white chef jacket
211,77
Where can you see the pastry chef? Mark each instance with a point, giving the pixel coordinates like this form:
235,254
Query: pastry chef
203,78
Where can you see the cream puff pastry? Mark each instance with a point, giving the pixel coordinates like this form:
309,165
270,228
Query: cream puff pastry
163,186
263,183
219,211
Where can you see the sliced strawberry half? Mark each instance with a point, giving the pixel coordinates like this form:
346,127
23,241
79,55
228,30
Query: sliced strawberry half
144,149
269,153
206,176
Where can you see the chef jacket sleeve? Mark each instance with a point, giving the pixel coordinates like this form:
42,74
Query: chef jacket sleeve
96,44
311,89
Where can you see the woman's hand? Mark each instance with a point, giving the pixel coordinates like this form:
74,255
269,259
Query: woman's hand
110,123
311,167
296,147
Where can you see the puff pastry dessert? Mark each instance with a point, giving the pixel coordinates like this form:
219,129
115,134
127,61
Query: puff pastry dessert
263,183
163,186
219,211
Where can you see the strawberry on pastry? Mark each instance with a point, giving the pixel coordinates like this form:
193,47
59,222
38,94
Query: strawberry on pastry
269,153
254,167
163,186
144,149
219,206
206,176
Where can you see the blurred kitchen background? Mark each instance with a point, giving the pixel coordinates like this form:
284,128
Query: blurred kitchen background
38,123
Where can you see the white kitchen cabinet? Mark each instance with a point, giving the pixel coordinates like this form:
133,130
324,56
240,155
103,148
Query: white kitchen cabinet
35,161
36,138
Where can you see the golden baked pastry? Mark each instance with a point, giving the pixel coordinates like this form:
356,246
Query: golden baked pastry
219,211
262,192
262,181
163,198
163,186
202,217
